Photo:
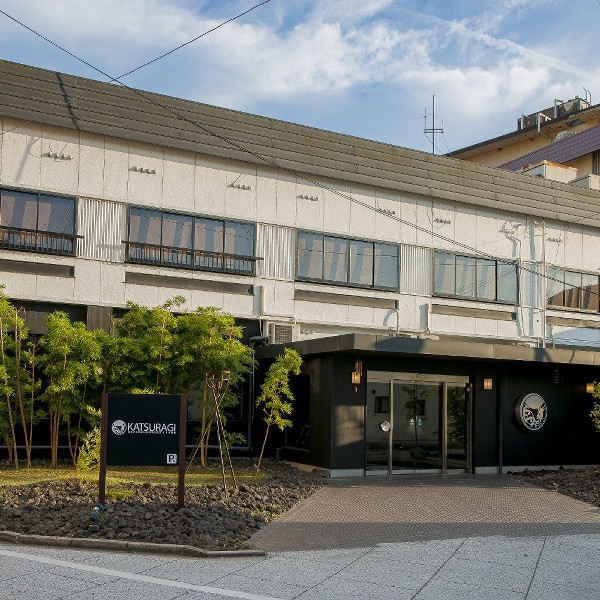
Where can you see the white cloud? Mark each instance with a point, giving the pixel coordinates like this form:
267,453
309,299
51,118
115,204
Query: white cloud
311,51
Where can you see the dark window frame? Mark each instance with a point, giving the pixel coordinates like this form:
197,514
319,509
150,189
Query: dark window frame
36,239
189,256
348,261
578,292
477,260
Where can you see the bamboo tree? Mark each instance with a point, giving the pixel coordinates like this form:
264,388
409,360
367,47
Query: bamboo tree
274,389
70,359
7,393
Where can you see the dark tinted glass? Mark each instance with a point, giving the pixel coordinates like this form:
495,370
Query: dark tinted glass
386,266
444,273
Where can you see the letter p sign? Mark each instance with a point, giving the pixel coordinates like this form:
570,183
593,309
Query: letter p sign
171,459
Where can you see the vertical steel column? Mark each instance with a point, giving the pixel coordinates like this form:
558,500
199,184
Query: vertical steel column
444,427
391,434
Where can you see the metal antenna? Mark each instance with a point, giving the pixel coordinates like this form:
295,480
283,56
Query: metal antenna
432,129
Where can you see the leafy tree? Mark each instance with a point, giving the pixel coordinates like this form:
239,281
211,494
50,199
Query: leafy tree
70,360
208,341
141,355
274,389
17,382
156,350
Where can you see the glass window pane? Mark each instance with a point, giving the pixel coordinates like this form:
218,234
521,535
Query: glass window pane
361,262
145,226
486,279
555,287
19,210
310,256
145,233
208,235
335,259
572,289
56,214
386,266
176,231
444,273
590,292
507,282
176,239
465,276
239,238
208,243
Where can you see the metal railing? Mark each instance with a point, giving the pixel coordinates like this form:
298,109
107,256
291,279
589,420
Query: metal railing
33,240
186,258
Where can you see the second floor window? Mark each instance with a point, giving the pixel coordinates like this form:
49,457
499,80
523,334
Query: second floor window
37,222
347,262
176,240
571,289
474,278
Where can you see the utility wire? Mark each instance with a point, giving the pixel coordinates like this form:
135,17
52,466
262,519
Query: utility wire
272,163
191,41
117,79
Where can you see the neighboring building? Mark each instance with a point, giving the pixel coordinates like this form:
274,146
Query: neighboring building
566,134
467,286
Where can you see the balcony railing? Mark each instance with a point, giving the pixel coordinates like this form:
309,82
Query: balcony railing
186,258
32,240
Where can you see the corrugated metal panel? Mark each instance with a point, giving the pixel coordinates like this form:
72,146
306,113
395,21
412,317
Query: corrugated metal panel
416,270
276,245
563,151
102,225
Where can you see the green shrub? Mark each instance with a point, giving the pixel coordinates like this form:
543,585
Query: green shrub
89,454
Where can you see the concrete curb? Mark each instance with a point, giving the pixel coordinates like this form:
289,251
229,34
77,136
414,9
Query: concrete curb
122,546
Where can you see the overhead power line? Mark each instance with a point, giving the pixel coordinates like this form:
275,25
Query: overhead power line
117,79
272,163
191,41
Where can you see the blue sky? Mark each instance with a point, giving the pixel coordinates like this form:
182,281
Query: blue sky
362,67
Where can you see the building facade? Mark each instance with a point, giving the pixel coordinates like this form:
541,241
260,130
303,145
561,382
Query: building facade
409,282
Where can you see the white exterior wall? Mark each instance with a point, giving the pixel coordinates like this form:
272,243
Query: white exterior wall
103,174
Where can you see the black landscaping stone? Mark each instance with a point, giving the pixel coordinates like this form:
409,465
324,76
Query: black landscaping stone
208,521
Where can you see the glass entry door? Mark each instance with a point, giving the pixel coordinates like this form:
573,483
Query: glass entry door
429,422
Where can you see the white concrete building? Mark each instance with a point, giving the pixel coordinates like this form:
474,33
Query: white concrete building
109,195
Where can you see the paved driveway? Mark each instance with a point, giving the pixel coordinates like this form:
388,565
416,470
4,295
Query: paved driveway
452,538
348,513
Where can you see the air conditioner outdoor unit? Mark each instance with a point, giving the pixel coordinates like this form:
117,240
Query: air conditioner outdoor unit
282,333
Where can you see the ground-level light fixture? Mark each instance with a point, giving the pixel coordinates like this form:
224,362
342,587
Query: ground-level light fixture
488,384
589,388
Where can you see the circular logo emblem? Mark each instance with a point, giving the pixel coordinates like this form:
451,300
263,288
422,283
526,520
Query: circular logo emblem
532,412
119,427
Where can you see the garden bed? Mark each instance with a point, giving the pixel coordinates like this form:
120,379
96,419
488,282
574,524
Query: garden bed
146,512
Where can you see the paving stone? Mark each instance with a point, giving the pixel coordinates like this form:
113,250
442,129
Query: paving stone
199,571
486,574
340,588
254,585
439,589
563,573
398,574
555,591
518,552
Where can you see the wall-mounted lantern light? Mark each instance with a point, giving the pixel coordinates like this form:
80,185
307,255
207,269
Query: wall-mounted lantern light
357,374
488,384
589,388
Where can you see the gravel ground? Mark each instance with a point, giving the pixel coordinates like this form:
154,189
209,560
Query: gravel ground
582,484
208,520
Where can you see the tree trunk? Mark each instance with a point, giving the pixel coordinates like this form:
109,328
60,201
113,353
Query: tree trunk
262,450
